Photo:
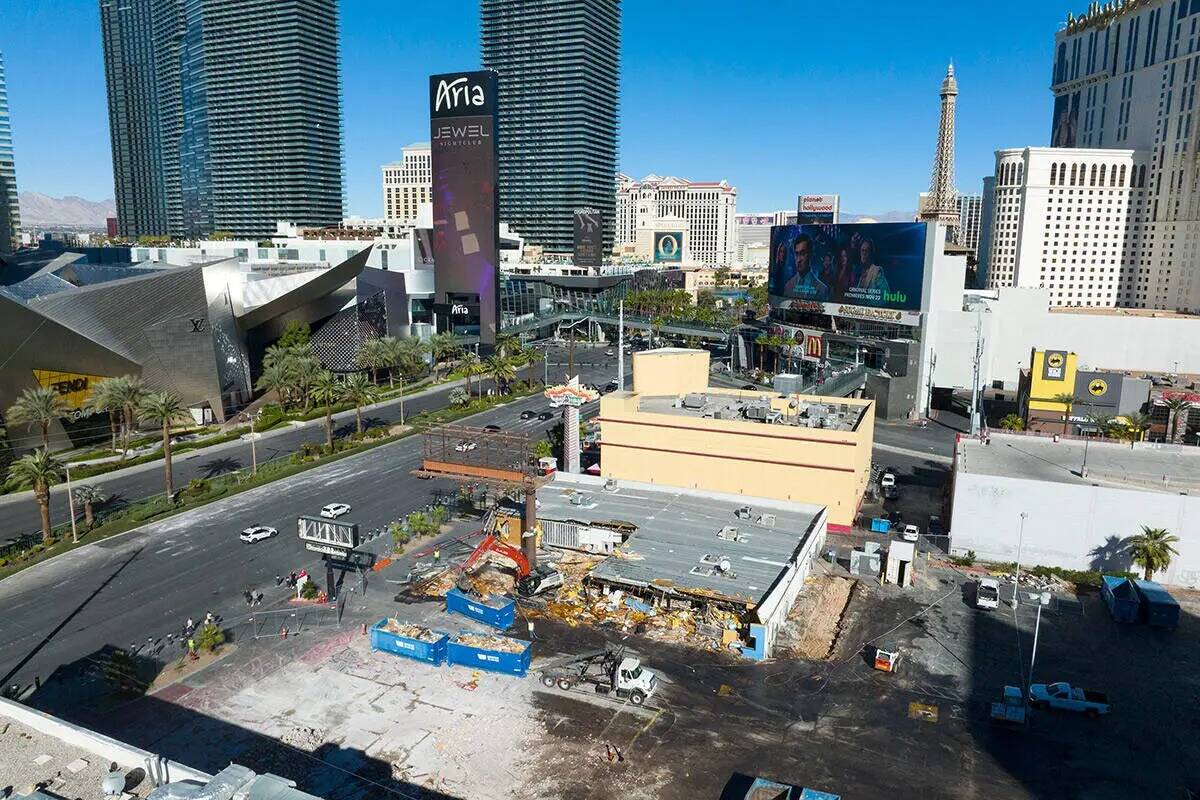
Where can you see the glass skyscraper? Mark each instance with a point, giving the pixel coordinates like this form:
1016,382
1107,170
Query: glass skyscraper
559,63
218,126
10,212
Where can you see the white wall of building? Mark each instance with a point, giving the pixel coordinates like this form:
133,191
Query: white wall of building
1067,523
710,209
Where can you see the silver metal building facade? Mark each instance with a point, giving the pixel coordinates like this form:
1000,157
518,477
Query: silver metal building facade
217,126
559,63
10,213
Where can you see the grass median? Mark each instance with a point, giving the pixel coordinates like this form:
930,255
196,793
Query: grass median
201,492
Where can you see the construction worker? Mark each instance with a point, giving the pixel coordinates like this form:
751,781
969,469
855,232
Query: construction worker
437,555
191,645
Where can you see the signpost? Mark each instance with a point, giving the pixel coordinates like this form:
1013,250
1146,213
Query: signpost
570,396
336,540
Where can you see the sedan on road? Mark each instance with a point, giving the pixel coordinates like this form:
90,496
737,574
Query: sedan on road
257,533
546,415
527,414
492,428
335,510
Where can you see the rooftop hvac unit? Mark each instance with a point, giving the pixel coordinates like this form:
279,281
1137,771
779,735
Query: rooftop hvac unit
693,400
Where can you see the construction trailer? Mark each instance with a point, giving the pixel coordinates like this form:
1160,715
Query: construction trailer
696,551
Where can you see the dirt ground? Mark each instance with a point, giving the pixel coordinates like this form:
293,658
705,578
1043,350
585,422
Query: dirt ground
815,620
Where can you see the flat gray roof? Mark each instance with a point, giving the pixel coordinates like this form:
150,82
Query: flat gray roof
677,531
1146,466
830,415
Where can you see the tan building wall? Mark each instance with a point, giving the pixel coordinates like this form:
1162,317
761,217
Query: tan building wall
784,462
670,370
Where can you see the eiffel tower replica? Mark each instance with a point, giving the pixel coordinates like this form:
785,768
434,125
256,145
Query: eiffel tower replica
941,204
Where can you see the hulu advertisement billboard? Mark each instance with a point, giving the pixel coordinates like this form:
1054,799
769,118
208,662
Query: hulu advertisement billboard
869,265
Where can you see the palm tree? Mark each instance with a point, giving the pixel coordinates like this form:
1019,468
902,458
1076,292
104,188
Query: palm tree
1152,550
326,390
762,342
304,370
164,409
131,391
501,371
275,378
39,470
105,400
441,345
1136,425
1176,407
507,344
527,357
1012,422
373,354
38,407
1102,422
471,368
1068,400
89,497
361,392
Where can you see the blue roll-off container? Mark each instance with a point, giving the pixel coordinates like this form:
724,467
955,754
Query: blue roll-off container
494,610
880,525
430,652
1121,597
492,660
1158,607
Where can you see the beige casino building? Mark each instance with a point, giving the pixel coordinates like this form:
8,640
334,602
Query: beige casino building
676,430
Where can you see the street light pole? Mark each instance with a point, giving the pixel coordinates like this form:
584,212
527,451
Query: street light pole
1083,469
253,448
1037,627
401,398
1020,541
71,505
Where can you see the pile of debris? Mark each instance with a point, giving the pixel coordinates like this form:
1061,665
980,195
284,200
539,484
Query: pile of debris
487,641
488,581
815,619
410,631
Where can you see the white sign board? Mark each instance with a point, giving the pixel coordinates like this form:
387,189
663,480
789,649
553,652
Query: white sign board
328,532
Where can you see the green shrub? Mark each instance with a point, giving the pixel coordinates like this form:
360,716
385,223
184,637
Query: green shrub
310,590
198,486
210,637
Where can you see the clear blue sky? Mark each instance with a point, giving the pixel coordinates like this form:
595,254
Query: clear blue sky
777,97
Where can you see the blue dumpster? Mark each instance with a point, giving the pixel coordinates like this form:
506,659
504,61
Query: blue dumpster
1158,607
494,610
421,643
491,652
880,525
1121,598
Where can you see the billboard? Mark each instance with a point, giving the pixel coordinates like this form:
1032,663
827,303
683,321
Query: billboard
327,533
668,247
589,238
870,271
462,121
423,256
818,209
805,344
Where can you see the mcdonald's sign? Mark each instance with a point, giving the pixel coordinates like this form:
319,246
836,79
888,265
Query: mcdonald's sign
814,346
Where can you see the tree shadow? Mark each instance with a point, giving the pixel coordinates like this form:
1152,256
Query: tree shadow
1111,556
220,466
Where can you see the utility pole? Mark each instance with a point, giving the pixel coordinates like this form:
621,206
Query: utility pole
621,346
71,504
1020,541
975,379
253,449
928,383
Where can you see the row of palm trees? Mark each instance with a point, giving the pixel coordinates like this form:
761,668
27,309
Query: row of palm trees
40,470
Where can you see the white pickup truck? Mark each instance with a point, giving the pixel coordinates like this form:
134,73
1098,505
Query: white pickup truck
1069,698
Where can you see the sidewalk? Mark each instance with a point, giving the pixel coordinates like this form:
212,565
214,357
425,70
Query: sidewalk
60,490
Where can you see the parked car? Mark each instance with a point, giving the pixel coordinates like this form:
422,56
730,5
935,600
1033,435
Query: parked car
987,593
910,533
335,510
935,526
610,352
891,492
1066,697
887,478
527,414
749,387
256,533
546,415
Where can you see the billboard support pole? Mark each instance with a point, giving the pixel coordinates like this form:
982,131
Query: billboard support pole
621,346
975,381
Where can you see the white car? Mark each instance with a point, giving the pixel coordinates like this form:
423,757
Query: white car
335,510
465,447
257,533
910,533
887,479
987,593
610,352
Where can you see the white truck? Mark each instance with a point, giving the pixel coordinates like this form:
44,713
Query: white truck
609,671
987,593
